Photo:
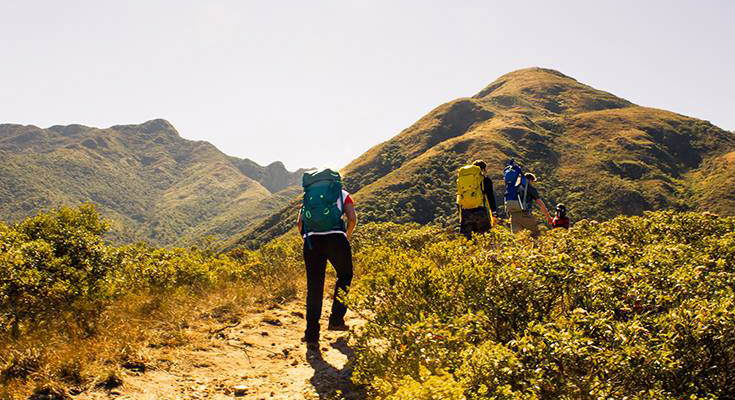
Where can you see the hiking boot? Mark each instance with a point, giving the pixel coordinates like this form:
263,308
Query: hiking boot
338,327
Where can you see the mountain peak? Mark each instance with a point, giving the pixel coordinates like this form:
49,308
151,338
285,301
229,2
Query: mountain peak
538,71
599,154
158,124
276,165
274,176
547,90
149,127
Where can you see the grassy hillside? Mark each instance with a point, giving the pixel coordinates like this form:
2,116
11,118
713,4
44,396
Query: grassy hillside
601,155
153,184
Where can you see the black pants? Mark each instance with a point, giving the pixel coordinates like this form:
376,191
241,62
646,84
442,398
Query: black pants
474,220
336,248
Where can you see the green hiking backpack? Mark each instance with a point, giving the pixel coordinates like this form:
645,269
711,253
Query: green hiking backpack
322,191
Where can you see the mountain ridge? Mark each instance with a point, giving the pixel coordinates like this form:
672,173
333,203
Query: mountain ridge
579,140
154,184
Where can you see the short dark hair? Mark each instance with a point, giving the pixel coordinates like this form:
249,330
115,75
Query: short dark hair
530,176
480,164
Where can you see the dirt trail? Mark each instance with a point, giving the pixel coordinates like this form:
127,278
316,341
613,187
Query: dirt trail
263,352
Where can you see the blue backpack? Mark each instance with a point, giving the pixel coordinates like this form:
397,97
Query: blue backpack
515,190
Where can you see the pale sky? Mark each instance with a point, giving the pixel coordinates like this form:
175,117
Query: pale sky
317,83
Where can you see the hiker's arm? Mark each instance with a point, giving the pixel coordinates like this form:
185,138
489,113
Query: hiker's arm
490,194
542,206
351,219
299,223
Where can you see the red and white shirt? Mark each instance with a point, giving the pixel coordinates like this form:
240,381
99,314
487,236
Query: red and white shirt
346,199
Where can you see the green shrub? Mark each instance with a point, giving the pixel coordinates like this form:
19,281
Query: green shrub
57,265
51,262
637,307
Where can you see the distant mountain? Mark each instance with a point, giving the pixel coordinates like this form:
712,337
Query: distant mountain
153,184
601,155
273,177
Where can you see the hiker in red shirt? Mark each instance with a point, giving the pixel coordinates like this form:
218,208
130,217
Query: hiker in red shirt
561,220
326,238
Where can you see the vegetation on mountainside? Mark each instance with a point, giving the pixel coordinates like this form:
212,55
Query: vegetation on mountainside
586,144
421,200
277,224
710,184
601,155
152,184
636,307
69,302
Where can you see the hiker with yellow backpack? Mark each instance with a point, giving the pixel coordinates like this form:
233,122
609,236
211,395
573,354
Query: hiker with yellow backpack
475,199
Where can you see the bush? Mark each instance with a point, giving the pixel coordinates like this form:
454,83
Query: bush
57,265
51,262
636,307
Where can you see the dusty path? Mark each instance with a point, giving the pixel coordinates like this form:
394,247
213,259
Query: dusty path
261,351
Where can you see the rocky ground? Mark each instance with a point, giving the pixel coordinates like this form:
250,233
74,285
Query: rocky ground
255,356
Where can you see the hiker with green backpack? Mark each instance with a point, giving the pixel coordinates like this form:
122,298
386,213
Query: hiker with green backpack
475,199
326,238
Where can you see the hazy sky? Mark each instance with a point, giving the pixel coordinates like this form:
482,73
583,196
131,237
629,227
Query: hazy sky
316,83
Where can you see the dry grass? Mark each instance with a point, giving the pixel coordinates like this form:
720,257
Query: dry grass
134,334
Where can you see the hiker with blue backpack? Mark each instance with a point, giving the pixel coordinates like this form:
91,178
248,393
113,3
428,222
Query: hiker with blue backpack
520,196
326,238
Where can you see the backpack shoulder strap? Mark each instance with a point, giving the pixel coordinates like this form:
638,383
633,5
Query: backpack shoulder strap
341,197
484,198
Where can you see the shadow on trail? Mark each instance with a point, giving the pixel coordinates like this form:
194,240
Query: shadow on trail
327,379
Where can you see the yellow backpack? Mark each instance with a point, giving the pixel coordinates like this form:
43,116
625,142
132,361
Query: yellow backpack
470,188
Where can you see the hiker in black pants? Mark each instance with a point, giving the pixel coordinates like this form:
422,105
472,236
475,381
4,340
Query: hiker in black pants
320,246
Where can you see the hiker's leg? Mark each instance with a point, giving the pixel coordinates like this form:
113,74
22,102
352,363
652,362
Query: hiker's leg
474,220
316,265
483,221
515,221
475,224
533,226
465,227
528,221
340,256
